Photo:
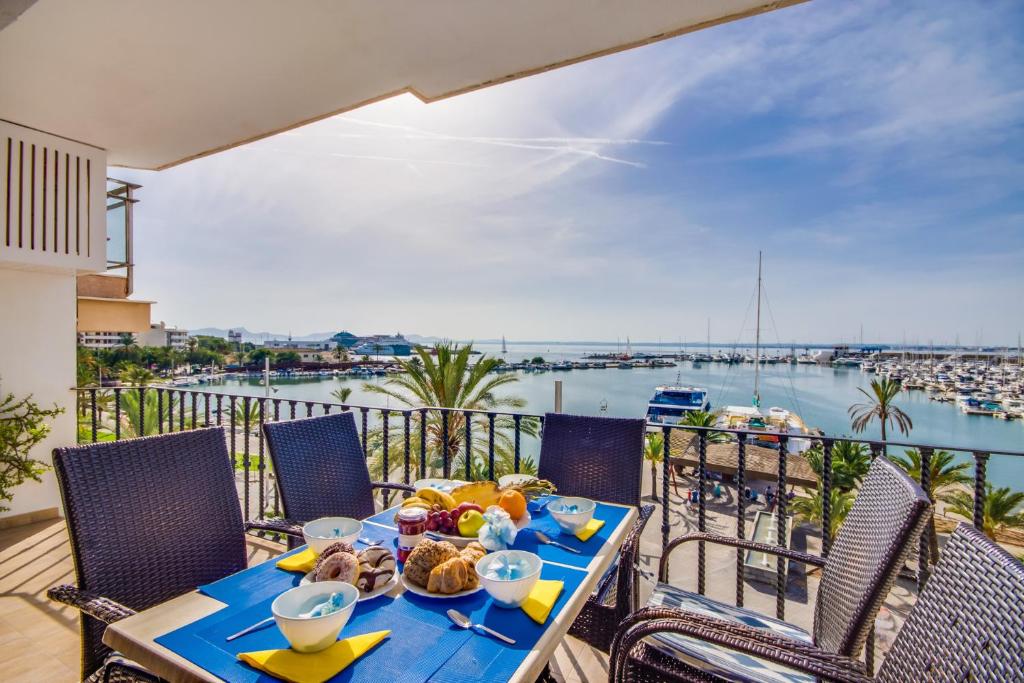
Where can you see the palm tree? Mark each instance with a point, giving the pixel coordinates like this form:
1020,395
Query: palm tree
809,508
342,394
450,381
136,376
126,340
654,450
850,463
944,473
152,417
701,418
1000,507
880,406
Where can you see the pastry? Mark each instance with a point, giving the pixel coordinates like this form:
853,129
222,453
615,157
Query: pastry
449,577
424,557
339,547
376,567
339,566
472,554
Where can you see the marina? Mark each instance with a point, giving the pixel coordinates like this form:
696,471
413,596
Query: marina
819,393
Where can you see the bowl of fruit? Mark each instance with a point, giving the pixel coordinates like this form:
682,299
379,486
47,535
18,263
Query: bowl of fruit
457,515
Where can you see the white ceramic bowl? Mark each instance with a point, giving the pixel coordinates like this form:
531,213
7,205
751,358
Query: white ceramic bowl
312,634
571,522
509,593
320,532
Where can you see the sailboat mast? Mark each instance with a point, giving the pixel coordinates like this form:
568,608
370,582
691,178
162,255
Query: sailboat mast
757,339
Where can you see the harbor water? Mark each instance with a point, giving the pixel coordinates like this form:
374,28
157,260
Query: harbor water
820,394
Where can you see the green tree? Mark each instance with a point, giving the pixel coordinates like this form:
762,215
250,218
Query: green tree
256,356
287,359
810,508
537,360
450,381
126,340
881,406
136,376
131,426
654,452
850,464
23,425
342,394
1001,508
944,473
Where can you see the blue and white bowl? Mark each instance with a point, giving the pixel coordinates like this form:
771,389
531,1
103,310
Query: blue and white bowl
571,513
321,533
508,576
312,634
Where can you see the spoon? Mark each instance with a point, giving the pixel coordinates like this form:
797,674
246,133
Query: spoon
368,542
462,621
546,540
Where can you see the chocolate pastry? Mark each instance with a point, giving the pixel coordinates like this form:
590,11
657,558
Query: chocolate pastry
376,567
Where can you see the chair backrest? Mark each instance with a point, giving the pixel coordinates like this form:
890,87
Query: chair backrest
320,467
968,623
149,519
881,528
593,457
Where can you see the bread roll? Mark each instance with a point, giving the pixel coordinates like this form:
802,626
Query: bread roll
448,577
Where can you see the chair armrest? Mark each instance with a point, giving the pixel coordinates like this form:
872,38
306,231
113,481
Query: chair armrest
795,654
106,610
280,526
393,486
788,553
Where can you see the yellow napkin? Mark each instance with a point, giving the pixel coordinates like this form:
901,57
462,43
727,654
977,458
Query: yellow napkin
592,527
299,562
541,599
315,667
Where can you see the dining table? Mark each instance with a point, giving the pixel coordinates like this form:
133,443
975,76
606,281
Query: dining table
184,639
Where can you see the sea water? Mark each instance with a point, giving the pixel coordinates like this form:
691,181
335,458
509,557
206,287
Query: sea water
821,395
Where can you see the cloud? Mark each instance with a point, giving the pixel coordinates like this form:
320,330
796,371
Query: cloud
872,150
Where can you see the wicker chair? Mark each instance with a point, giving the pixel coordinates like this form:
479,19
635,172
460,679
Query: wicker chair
321,470
149,519
600,458
966,626
880,530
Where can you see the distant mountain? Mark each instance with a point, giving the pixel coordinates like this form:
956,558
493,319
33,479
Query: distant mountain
257,337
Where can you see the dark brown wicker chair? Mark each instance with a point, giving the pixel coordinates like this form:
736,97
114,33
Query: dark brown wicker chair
149,519
966,626
600,458
880,530
321,470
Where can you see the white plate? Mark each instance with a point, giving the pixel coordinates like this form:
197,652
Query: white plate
444,485
363,597
413,588
463,541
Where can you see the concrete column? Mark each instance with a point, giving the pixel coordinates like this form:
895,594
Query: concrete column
37,356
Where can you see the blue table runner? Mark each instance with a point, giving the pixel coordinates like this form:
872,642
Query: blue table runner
423,646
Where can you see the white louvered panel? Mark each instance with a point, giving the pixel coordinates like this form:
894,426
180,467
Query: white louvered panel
52,201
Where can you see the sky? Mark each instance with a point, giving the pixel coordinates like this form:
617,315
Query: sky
873,151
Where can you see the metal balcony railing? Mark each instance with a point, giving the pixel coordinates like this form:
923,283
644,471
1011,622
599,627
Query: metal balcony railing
388,436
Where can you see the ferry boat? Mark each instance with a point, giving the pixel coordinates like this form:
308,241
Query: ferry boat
669,405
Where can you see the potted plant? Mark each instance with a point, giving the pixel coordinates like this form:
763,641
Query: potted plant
23,425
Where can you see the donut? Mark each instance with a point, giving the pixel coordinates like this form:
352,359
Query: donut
338,567
339,547
376,567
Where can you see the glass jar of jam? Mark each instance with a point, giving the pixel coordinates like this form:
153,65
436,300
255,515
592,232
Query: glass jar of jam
412,524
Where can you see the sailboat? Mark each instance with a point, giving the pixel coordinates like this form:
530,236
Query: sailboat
504,347
774,421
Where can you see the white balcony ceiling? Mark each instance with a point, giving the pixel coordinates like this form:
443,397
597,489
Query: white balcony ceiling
158,83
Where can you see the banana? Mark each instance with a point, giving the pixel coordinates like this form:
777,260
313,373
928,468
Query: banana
434,497
416,501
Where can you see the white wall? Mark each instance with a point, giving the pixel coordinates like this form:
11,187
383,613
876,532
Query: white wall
37,356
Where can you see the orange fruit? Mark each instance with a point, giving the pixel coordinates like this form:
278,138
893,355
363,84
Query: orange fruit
513,503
